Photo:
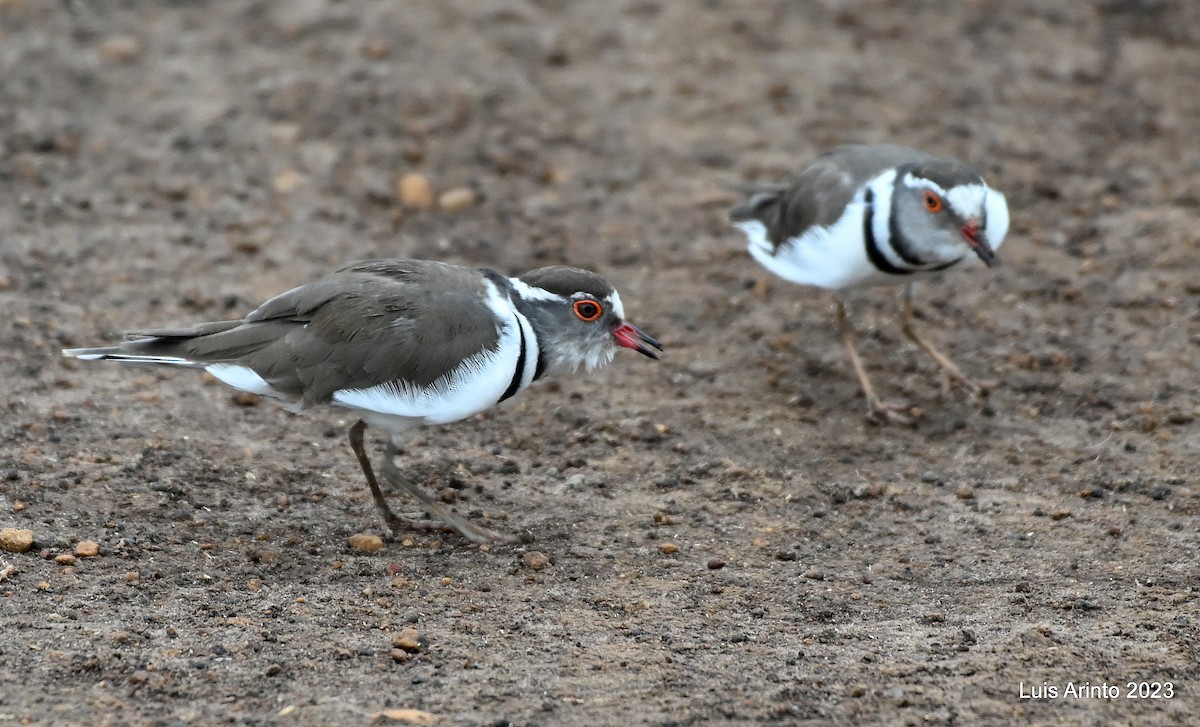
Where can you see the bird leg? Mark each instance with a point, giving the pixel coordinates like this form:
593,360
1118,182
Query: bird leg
393,521
452,520
877,410
953,373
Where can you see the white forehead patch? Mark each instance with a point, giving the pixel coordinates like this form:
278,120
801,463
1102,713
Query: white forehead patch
966,200
529,292
614,302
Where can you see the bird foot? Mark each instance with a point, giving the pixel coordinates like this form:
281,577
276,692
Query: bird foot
472,532
448,520
879,412
976,389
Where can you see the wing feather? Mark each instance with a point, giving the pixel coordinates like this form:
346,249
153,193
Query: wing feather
367,324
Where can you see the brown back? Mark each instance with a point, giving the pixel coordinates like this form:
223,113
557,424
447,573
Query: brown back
369,323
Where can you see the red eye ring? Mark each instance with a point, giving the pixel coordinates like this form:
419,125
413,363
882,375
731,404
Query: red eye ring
588,310
933,203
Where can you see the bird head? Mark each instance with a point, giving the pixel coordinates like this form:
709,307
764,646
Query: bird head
578,317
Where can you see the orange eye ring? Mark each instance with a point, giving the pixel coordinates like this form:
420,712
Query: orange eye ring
588,310
933,203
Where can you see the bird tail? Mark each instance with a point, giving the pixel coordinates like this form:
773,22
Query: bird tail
155,347
761,198
119,353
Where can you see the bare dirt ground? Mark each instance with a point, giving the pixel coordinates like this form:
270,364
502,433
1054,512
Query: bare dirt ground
167,163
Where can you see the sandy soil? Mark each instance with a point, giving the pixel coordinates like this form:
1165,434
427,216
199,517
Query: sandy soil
167,163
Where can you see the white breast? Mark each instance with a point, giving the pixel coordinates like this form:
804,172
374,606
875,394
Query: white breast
835,257
475,385
996,205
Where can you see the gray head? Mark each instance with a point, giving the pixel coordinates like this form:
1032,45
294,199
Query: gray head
941,205
578,317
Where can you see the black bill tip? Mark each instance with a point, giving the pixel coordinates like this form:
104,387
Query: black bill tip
630,336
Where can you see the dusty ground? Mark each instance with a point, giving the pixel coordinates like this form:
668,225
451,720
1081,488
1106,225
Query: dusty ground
174,162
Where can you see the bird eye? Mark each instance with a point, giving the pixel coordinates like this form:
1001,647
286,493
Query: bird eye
588,310
933,203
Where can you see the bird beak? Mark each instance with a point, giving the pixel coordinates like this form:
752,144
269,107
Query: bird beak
976,239
630,336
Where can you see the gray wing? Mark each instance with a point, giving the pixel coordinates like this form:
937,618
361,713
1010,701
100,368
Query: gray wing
364,325
820,192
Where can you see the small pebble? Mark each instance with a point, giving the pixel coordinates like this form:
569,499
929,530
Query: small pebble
1060,514
133,577
411,716
15,540
289,180
872,491
408,640
64,559
414,190
457,199
285,133
87,549
245,398
366,543
965,493
399,656
535,560
120,48
715,564
377,49
668,548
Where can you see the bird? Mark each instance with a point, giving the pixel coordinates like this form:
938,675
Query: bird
402,343
875,214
